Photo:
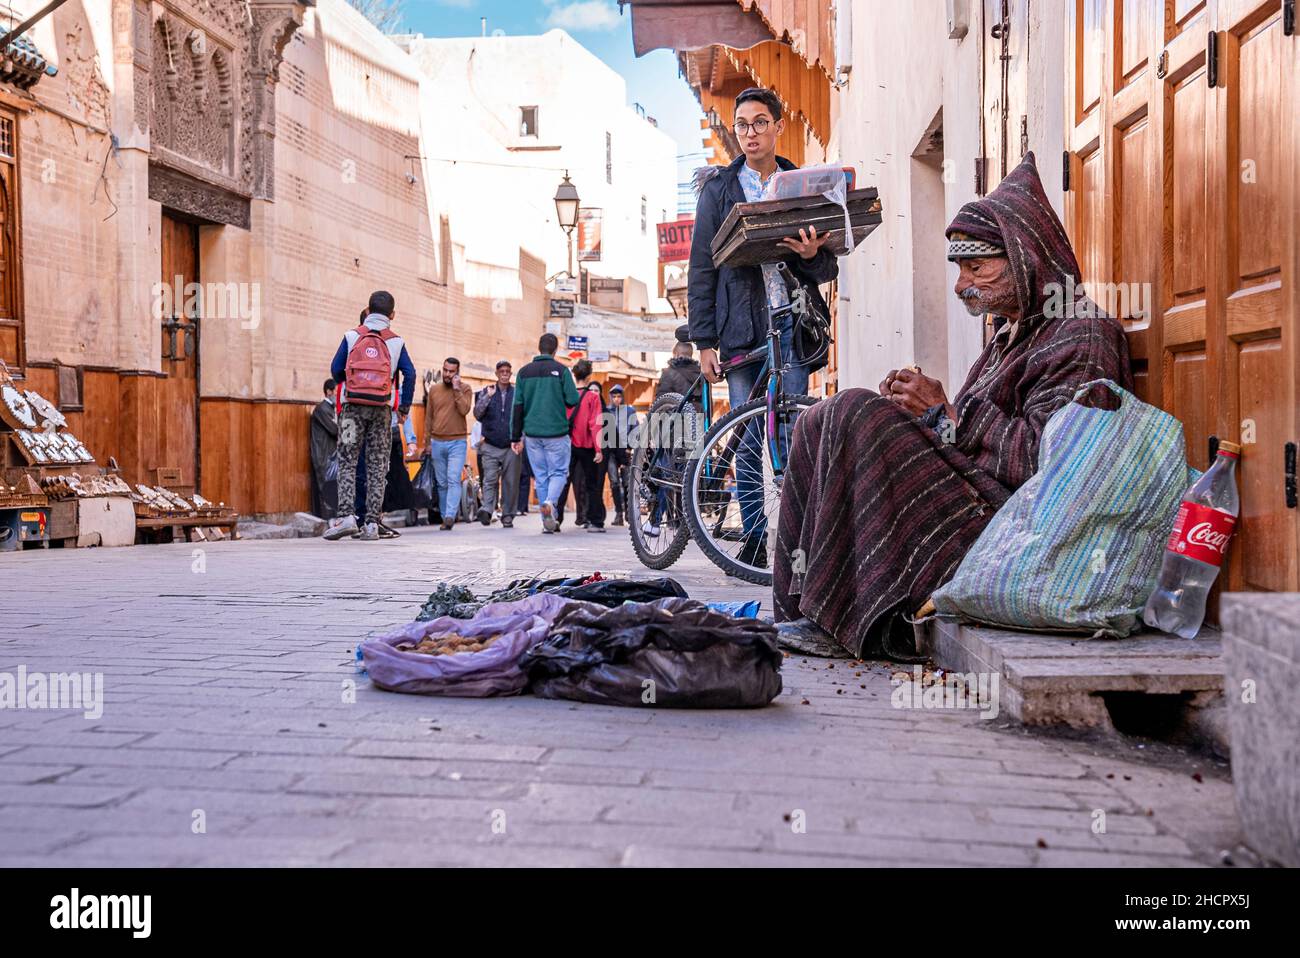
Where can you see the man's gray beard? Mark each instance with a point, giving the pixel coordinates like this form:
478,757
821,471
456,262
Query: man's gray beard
977,304
974,305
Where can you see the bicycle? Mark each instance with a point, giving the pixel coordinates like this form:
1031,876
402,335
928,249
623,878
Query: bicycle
690,472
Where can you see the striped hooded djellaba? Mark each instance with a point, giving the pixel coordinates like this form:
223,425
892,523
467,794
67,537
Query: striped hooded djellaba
876,511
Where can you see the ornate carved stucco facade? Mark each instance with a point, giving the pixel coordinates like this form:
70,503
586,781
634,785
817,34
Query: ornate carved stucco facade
209,69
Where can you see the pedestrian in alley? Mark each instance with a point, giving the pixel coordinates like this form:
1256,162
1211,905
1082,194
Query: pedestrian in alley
682,376
525,486
399,495
324,442
445,431
622,423
728,307
369,362
586,462
544,394
494,408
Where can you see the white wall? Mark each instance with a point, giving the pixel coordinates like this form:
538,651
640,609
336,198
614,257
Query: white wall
897,306
485,81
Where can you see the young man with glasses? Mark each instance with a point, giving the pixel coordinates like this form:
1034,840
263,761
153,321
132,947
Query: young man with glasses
728,307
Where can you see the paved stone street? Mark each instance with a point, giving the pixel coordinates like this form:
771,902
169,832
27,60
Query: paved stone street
224,666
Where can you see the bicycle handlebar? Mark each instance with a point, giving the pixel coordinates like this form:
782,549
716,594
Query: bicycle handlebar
788,277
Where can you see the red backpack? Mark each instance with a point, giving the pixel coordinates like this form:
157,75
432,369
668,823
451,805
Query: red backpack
369,369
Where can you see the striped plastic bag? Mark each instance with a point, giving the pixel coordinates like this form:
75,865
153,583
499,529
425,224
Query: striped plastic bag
1077,548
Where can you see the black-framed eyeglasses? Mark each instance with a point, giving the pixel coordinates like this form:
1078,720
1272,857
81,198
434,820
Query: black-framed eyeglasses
758,126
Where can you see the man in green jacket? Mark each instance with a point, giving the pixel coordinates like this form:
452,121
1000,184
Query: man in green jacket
544,394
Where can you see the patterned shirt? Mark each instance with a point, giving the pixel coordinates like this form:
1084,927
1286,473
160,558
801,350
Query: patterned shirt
777,295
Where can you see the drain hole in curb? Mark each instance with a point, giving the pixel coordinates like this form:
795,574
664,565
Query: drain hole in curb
1146,714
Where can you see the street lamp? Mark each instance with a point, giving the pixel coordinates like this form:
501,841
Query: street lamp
566,211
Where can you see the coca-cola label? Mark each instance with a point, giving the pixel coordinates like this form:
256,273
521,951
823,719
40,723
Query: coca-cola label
1201,533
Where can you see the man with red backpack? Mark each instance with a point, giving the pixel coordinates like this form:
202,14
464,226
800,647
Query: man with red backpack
366,366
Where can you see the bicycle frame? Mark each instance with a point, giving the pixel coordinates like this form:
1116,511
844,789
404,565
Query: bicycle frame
767,384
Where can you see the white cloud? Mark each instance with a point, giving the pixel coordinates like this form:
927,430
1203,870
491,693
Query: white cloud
583,15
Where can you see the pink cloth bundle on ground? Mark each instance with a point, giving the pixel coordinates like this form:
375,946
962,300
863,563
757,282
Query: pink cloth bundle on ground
493,671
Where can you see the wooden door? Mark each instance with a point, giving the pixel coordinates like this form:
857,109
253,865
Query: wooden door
11,288
1254,321
1180,193
178,394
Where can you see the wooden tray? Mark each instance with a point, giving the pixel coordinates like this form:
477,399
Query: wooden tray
752,232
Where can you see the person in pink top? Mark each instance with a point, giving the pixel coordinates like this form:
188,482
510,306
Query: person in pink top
586,463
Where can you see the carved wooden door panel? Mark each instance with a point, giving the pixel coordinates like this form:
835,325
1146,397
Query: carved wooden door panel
11,326
178,394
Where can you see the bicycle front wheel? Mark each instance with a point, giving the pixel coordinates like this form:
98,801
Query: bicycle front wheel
733,488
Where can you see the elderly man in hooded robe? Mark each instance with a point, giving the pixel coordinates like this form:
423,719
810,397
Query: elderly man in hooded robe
914,474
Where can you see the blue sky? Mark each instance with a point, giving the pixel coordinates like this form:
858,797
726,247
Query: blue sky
652,80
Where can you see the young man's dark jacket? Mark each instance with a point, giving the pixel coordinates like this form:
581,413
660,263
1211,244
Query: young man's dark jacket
544,393
682,376
727,308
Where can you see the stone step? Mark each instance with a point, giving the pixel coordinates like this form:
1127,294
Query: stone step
1060,679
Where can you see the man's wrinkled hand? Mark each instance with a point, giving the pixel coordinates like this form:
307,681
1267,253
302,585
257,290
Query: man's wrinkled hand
517,448
808,244
710,366
914,391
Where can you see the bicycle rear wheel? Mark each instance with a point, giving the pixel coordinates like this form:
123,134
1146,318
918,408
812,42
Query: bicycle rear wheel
732,490
654,487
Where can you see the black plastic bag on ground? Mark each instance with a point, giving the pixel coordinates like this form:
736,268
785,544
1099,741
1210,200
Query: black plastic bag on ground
423,487
614,592
672,653
606,592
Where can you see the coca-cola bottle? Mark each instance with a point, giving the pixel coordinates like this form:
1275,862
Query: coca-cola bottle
1196,548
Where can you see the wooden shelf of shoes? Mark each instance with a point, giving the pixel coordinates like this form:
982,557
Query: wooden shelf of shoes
169,505
34,433
22,493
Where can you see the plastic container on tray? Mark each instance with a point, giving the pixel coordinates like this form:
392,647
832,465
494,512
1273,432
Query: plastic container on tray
808,181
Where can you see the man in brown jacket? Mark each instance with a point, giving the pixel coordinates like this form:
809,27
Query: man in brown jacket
445,407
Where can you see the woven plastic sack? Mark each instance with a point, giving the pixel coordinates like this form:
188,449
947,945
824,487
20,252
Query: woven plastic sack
494,671
1077,548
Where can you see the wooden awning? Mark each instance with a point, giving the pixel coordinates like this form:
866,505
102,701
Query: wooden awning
693,24
806,25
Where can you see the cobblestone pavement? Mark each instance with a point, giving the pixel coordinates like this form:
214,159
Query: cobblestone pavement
224,666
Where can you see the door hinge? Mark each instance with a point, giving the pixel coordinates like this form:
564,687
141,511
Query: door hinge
1065,170
1288,18
1212,59
1162,64
981,175
1289,456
